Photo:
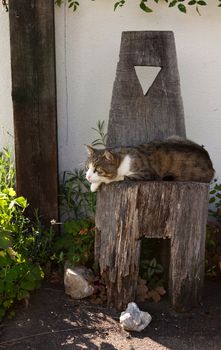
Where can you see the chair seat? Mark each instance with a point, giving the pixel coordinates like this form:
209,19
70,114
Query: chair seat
127,211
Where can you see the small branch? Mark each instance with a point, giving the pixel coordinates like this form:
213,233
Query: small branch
20,339
5,4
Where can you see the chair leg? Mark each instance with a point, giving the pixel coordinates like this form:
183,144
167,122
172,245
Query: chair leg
187,255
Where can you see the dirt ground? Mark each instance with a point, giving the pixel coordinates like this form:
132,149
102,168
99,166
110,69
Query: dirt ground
53,321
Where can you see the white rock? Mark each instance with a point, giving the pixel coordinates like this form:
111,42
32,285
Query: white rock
133,319
76,282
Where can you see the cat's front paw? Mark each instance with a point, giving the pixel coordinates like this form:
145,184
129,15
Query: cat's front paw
94,186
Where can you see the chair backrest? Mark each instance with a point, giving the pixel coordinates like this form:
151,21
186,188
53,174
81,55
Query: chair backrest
137,117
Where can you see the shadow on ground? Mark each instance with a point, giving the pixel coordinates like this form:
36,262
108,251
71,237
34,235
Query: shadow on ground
54,321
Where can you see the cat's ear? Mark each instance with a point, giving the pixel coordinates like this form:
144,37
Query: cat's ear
90,150
108,155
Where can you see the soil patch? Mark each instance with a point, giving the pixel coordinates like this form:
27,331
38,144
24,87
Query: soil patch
53,321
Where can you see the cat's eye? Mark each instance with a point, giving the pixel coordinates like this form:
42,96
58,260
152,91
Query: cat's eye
98,170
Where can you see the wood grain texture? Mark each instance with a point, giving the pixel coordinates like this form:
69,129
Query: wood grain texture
134,118
34,103
127,211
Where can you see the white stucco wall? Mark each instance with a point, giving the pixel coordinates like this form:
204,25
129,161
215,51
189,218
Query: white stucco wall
87,51
6,117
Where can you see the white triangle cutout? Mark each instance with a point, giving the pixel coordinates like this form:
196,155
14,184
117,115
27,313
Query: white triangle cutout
146,76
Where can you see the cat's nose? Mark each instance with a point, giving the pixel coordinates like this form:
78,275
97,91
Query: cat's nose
88,177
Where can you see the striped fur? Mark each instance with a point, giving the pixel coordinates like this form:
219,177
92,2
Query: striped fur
173,159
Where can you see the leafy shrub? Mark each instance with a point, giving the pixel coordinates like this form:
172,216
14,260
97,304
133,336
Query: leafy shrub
36,242
18,273
144,5
77,201
151,269
76,243
25,247
213,249
215,199
7,170
213,233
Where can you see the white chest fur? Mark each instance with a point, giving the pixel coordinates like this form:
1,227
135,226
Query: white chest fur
124,168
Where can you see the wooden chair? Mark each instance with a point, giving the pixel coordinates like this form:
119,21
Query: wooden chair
127,211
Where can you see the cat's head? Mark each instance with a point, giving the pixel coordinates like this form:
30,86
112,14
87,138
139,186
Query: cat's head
101,165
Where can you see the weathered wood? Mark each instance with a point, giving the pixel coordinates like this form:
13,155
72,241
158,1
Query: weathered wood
134,118
128,211
34,103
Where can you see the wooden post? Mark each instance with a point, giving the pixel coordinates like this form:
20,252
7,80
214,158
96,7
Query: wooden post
34,103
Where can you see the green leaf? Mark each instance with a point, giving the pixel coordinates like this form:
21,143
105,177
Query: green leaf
172,3
27,285
212,200
116,5
38,273
201,3
22,294
212,191
182,8
5,240
22,202
2,312
192,2
145,8
11,205
74,226
58,3
11,192
7,303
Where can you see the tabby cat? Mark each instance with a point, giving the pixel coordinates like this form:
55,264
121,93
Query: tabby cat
172,159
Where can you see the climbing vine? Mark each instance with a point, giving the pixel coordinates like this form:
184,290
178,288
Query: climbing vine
145,5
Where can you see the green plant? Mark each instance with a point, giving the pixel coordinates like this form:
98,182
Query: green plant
18,277
215,199
7,170
102,139
145,5
152,272
25,246
18,273
36,242
213,232
77,201
151,268
76,243
213,249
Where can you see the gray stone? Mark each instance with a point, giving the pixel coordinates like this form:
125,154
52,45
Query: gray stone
133,319
77,282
